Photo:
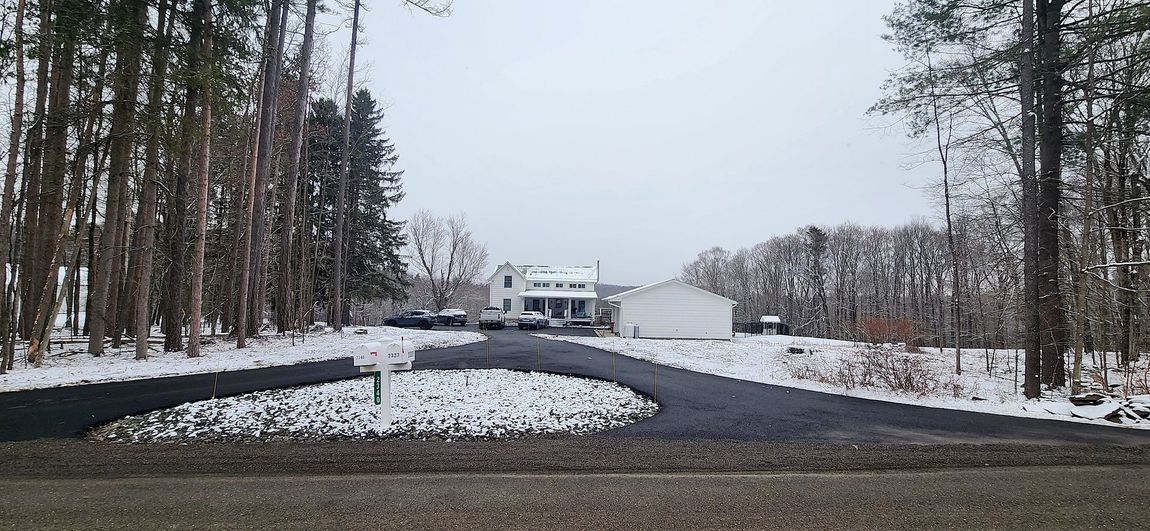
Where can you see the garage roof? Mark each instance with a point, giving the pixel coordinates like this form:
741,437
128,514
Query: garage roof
625,294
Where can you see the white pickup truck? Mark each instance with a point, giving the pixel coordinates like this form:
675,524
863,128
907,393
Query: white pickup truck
491,318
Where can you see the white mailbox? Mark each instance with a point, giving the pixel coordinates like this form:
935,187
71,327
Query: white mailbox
383,355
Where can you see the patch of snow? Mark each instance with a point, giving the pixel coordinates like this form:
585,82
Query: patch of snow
76,367
427,404
766,359
1097,411
1057,408
1140,399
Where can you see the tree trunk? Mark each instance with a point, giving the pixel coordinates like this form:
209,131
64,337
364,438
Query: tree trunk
341,195
1030,313
1052,319
1085,253
284,301
6,204
128,52
956,269
44,275
175,287
47,309
269,96
204,169
33,157
239,318
146,227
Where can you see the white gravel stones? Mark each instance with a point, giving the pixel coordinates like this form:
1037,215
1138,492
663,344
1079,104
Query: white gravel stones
427,404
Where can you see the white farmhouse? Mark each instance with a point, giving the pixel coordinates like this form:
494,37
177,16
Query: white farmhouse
672,309
564,293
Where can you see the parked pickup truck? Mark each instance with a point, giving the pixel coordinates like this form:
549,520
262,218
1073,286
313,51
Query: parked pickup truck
491,318
533,320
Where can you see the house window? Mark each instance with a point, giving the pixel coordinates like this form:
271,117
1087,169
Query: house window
507,304
547,284
558,285
507,281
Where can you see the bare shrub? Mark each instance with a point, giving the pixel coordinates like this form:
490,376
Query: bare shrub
956,387
887,370
912,349
879,368
806,372
900,372
851,374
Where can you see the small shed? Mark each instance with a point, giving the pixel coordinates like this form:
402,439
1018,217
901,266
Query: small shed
773,325
672,309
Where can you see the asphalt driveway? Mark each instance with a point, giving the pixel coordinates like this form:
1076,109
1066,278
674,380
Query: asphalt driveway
694,405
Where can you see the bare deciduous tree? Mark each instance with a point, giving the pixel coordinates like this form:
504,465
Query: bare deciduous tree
444,251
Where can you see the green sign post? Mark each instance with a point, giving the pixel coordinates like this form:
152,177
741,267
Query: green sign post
377,386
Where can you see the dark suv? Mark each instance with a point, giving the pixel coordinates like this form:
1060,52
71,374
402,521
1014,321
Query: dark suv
451,317
421,318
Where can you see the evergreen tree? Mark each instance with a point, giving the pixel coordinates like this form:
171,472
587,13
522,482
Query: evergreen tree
373,268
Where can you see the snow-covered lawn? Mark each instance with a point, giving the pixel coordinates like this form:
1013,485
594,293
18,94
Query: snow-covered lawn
427,404
75,367
855,369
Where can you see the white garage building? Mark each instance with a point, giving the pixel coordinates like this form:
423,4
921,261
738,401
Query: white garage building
672,310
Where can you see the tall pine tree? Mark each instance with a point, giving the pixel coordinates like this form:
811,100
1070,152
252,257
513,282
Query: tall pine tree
373,268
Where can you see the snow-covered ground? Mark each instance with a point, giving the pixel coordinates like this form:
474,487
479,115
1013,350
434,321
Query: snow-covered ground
856,369
427,404
75,367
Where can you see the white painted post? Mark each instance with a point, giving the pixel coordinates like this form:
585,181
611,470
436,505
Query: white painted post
385,400
383,357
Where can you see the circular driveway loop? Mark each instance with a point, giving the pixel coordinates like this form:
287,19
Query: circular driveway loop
693,405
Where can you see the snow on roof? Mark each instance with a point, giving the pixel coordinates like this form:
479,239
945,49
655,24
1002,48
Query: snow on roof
625,294
770,319
588,273
556,294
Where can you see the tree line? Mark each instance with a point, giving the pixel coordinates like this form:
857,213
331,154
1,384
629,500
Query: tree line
172,161
1037,117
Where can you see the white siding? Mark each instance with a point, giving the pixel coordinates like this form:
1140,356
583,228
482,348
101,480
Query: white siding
676,311
498,292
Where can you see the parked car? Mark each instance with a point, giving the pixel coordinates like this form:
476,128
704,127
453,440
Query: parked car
491,318
533,320
421,318
451,317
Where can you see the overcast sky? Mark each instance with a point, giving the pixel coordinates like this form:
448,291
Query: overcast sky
639,133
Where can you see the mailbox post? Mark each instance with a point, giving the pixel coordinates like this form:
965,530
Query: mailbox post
382,357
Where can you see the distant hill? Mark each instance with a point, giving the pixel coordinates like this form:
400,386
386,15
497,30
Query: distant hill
607,290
